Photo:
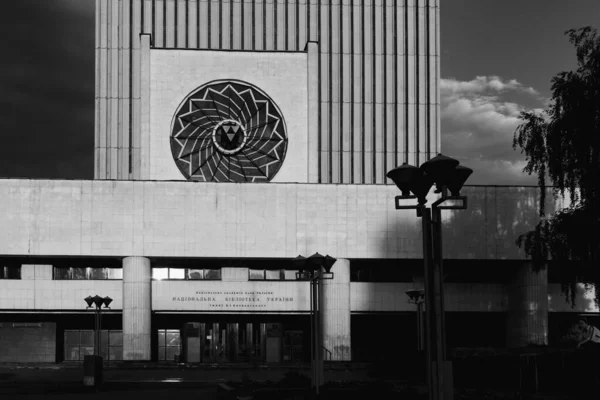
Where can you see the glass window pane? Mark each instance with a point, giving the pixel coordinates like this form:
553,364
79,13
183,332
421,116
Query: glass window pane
98,273
160,273
161,353
289,275
256,274
212,274
72,353
273,274
116,338
195,274
171,353
86,351
161,337
72,339
172,338
87,338
79,273
115,273
115,353
63,273
176,273
12,272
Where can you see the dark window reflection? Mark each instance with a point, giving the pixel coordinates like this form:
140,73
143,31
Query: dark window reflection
79,343
87,273
10,272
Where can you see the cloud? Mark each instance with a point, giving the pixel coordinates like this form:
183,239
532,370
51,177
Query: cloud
483,84
479,118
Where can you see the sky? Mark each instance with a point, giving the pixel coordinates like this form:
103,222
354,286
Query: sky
498,58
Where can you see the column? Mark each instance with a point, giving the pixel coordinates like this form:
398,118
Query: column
336,313
137,308
312,48
527,321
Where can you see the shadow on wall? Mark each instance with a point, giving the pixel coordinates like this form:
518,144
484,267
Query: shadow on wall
495,217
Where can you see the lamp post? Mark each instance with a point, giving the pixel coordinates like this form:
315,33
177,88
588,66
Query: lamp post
447,175
314,269
417,296
92,365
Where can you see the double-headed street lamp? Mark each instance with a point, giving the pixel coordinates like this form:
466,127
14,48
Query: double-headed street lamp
314,269
415,183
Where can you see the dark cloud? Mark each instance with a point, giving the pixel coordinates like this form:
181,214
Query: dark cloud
47,86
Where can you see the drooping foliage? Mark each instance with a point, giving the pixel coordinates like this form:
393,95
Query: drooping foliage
562,146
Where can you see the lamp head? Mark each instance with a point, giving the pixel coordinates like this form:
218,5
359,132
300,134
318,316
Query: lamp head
299,262
328,262
107,301
316,260
440,170
411,179
89,300
415,295
458,179
98,301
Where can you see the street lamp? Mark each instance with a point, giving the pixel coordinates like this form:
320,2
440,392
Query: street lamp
314,269
92,365
415,183
417,296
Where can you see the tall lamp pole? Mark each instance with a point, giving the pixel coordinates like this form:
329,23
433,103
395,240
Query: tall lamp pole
314,269
447,175
92,365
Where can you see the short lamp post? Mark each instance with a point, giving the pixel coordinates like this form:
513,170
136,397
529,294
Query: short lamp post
92,365
415,183
417,296
314,269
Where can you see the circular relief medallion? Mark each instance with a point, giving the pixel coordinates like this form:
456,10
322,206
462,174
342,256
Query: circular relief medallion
228,131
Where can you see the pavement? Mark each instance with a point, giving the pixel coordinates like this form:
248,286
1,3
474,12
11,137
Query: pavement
155,381
151,373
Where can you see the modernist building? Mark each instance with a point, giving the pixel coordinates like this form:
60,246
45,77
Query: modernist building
232,136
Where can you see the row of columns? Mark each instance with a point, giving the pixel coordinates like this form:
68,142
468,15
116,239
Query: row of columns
527,316
137,310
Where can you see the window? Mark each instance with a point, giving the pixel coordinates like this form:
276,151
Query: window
271,274
87,273
10,272
79,343
185,274
369,270
169,343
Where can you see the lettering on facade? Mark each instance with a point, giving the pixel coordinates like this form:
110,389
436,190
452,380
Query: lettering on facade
234,299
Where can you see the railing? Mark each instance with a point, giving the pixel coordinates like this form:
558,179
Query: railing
329,353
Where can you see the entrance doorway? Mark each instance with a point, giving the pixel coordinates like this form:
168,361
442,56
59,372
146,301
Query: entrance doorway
221,342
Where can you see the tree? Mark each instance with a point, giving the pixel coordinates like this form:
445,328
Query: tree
562,146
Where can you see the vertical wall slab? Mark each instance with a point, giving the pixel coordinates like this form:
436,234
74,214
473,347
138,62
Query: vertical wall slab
336,312
528,308
137,308
312,49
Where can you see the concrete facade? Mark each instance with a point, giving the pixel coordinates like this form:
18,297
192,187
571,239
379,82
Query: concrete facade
162,219
377,77
177,73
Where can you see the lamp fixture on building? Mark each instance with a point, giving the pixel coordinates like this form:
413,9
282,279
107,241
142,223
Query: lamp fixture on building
414,184
314,269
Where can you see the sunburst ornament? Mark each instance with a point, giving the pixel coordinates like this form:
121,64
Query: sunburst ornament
228,131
